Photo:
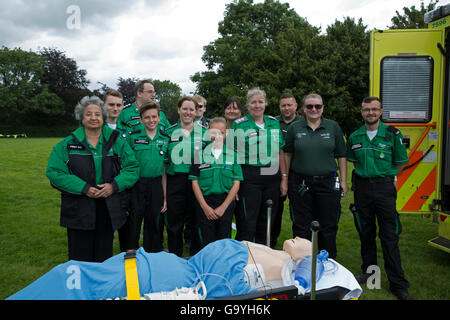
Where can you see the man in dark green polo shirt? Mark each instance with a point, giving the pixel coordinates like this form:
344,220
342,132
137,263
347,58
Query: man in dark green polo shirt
148,196
215,183
378,153
129,118
288,115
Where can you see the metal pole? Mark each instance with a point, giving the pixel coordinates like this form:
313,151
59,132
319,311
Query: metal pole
314,229
269,220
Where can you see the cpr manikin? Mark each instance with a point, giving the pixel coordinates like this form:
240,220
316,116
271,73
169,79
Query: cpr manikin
265,265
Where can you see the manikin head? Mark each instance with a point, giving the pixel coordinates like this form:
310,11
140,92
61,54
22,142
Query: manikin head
297,247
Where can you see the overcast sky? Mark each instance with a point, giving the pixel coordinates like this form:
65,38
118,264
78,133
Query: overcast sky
159,39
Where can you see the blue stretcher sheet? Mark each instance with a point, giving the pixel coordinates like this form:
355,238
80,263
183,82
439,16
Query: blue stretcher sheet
219,265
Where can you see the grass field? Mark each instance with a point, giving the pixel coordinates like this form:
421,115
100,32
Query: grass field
32,242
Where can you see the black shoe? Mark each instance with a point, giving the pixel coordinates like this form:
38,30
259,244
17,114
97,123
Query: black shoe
402,294
362,278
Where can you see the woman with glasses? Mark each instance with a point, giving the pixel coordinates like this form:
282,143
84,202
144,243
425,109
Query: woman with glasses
312,146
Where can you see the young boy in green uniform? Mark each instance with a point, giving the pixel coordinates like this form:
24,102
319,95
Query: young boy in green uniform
215,183
148,196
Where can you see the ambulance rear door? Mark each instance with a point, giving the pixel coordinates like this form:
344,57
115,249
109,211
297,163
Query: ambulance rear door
407,73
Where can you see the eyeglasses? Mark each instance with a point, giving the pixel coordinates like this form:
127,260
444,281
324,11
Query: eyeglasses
367,110
311,106
199,106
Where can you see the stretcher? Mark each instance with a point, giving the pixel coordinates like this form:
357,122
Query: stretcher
216,272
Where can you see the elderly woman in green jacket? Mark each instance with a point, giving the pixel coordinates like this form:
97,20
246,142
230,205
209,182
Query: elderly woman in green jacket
92,168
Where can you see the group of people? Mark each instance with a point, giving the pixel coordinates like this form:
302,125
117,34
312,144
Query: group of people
124,167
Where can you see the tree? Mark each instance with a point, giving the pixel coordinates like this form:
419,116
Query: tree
412,18
65,79
168,94
265,44
127,88
23,97
348,72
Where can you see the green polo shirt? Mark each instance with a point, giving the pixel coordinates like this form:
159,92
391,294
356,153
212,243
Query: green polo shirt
149,152
256,146
284,126
378,157
216,176
183,150
314,152
130,118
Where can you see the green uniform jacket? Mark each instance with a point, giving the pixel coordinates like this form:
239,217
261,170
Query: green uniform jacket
216,176
129,119
184,151
314,152
74,166
150,153
378,157
253,145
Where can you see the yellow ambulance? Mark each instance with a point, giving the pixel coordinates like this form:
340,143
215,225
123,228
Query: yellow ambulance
410,72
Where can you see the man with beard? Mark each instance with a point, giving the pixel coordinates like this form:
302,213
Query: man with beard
378,154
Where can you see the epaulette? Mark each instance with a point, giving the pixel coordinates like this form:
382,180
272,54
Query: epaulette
135,131
201,124
172,126
394,130
163,132
127,106
241,120
272,117
125,124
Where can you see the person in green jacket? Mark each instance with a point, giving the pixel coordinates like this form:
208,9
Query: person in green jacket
148,196
258,141
92,168
129,118
215,182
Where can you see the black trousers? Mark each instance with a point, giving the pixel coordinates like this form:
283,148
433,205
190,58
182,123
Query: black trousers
127,233
212,230
147,198
277,222
376,201
251,213
180,209
93,245
320,202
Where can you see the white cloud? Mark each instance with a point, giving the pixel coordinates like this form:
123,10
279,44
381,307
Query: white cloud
160,39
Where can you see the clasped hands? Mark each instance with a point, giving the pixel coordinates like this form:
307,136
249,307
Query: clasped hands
103,191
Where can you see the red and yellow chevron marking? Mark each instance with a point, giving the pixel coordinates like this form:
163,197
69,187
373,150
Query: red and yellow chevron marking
415,185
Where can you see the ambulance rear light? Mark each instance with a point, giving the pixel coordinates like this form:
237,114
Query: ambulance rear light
438,13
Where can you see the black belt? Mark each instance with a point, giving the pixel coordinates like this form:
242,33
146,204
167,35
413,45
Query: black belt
376,179
316,178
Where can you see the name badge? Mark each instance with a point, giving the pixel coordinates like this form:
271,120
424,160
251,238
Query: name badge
75,147
141,141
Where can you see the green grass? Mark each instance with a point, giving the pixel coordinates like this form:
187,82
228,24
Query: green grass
32,242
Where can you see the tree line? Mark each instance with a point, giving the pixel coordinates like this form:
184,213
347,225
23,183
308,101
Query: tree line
267,45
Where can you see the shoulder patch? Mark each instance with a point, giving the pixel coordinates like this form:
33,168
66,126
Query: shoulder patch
241,120
199,122
127,106
172,126
134,132
272,117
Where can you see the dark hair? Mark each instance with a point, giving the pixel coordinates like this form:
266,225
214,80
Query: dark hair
287,96
139,86
233,100
371,99
149,105
186,98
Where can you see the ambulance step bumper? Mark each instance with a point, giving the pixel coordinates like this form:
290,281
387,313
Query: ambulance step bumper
440,243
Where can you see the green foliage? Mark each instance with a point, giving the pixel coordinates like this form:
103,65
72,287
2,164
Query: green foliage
168,94
270,46
24,98
411,17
